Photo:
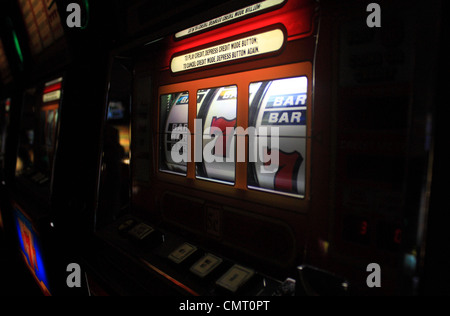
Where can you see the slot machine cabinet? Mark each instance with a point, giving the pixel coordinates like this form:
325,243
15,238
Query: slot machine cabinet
352,181
35,119
64,89
10,68
31,198
212,228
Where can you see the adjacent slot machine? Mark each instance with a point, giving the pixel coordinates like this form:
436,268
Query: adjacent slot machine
34,172
38,130
261,163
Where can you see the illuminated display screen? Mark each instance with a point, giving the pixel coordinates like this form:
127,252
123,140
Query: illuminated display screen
251,46
42,22
116,111
37,141
173,131
218,111
31,250
277,132
280,104
5,71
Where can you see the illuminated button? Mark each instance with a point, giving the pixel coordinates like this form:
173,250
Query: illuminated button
235,278
389,235
206,265
141,231
182,253
357,229
125,226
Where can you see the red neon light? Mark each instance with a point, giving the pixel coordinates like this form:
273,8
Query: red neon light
398,236
364,228
55,87
168,277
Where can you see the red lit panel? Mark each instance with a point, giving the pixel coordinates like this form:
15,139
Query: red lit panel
295,16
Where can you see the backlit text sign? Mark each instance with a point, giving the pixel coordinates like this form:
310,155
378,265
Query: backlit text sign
259,44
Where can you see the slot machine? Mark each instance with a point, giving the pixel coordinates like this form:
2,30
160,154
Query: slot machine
9,65
209,221
37,124
63,91
278,148
34,172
